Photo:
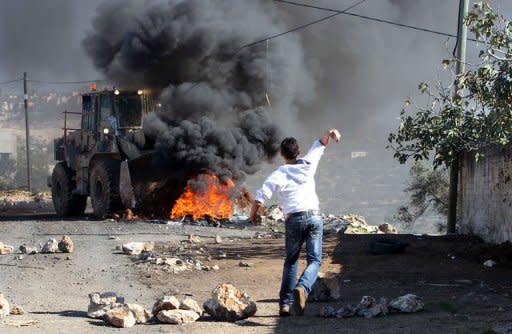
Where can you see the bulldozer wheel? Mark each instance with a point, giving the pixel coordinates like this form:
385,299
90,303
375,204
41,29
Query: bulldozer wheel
104,188
64,201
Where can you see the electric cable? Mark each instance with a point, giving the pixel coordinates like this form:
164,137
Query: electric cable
64,82
9,81
300,27
371,18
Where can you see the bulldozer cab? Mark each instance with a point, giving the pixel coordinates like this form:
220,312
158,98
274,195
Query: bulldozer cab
109,112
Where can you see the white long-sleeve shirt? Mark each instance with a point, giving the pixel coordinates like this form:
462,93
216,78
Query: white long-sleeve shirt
295,184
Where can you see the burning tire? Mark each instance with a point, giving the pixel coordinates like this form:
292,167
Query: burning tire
64,201
104,184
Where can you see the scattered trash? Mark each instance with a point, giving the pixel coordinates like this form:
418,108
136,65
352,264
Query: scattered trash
244,264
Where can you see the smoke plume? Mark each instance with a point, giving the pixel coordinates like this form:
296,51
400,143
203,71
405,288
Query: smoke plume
215,113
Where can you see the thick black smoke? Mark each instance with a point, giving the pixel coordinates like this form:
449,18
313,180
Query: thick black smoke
215,113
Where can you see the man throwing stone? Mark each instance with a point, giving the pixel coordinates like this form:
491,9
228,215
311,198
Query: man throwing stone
294,182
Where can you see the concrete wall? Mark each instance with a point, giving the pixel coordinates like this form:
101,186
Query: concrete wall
485,195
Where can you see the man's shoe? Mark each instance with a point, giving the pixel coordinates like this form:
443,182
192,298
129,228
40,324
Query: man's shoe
299,300
284,310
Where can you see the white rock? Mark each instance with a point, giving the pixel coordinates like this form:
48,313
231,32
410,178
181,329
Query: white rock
100,303
121,317
135,248
166,303
229,303
190,304
169,317
51,246
139,312
4,306
407,303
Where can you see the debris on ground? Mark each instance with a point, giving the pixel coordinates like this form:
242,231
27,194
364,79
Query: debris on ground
28,249
244,264
354,224
66,245
135,248
228,303
369,307
326,287
6,249
50,247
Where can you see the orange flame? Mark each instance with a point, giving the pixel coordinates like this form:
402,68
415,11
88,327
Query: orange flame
213,201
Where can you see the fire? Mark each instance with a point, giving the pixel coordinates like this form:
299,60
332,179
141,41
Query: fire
213,200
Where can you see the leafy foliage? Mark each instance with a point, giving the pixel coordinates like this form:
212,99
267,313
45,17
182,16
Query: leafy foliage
472,113
428,190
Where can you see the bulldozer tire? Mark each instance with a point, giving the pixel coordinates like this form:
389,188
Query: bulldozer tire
64,201
104,188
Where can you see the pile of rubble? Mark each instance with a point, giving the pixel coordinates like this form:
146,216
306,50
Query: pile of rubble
51,246
348,224
369,307
226,304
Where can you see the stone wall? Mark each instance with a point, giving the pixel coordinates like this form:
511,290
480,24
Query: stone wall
485,195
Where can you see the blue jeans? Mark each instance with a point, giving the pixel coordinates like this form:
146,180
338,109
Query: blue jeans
299,228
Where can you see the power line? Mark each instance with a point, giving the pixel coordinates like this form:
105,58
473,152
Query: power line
325,18
370,18
10,81
65,82
300,27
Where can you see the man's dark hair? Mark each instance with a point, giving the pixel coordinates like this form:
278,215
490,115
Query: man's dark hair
289,148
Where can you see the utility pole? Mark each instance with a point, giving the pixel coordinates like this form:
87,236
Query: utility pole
462,32
27,133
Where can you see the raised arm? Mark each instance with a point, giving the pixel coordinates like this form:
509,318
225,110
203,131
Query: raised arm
331,133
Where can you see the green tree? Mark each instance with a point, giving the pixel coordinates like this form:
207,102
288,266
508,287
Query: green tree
472,113
428,190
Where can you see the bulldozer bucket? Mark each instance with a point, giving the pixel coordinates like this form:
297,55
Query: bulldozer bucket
147,188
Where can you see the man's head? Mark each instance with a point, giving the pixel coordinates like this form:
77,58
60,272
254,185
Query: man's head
290,148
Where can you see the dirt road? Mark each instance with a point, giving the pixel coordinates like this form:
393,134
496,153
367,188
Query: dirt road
460,294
